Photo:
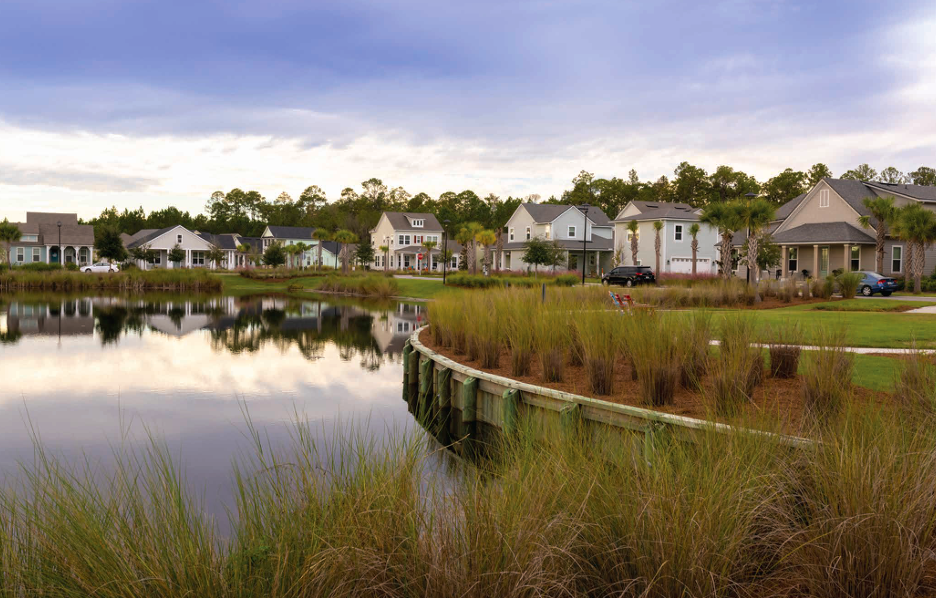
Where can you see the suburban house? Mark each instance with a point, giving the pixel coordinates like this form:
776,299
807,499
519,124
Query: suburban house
675,240
818,232
162,241
293,235
47,237
404,233
228,243
569,227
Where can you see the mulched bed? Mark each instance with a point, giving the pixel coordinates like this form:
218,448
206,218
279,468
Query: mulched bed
776,398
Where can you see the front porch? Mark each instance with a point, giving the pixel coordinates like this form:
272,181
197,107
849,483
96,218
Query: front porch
73,254
409,259
819,260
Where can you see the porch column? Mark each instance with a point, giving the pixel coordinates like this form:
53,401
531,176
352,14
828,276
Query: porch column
815,261
785,261
847,267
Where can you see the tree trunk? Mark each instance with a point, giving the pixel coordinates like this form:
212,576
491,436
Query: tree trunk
752,263
634,249
319,262
726,238
919,263
695,251
499,252
657,246
879,248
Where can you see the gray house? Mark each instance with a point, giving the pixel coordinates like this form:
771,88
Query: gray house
675,240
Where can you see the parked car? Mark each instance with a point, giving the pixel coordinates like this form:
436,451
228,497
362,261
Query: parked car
876,283
628,276
100,267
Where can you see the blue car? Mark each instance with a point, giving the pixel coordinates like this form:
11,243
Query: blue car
876,283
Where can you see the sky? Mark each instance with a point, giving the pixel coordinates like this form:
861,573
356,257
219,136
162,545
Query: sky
156,103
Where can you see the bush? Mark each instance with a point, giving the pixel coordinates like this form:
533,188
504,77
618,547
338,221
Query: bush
915,386
71,266
38,267
828,375
784,350
848,284
62,280
371,285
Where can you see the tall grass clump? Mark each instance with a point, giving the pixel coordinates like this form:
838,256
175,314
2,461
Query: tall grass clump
484,330
827,375
694,338
373,285
444,322
915,384
599,332
848,284
653,345
520,311
784,349
551,337
739,368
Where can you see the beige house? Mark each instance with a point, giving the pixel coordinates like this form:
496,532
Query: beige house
818,232
403,233
590,234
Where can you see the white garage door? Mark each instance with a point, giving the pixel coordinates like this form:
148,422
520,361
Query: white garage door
684,264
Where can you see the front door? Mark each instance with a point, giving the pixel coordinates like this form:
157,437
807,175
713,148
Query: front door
54,255
823,261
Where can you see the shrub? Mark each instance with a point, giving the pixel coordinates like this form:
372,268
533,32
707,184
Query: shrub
368,286
71,266
38,267
848,283
567,280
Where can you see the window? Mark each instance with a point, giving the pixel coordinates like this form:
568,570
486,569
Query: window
403,240
528,233
37,254
157,259
856,258
823,198
418,239
179,239
30,238
511,233
20,254
547,233
677,232
793,260
571,232
896,259
403,327
419,223
198,258
824,260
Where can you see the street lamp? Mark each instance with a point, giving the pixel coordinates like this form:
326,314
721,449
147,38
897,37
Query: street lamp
61,261
445,259
584,210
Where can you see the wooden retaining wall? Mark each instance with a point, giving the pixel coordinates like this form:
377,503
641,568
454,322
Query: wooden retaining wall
456,402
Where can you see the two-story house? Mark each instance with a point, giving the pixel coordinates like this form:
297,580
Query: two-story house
819,231
569,227
675,240
404,233
53,239
292,235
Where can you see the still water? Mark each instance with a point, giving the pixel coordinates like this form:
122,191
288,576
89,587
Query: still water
84,372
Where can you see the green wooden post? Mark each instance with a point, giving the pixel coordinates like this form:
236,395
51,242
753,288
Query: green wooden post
412,394
445,388
444,392
469,406
407,351
511,413
425,391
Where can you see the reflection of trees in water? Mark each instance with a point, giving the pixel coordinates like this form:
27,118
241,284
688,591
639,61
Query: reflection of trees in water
10,337
114,321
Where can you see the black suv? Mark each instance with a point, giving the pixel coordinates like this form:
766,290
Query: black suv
628,276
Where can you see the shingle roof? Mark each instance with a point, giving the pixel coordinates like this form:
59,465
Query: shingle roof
786,209
401,220
823,232
921,192
595,244
852,192
547,212
145,236
291,232
662,210
228,241
45,225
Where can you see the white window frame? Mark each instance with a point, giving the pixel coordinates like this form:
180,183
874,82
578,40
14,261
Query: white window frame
36,255
419,223
851,251
794,261
571,231
529,234
198,258
179,238
898,259
20,254
823,198
678,233
29,238
511,233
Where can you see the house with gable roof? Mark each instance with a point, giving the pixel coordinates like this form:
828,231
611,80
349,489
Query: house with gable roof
568,227
403,233
675,240
52,238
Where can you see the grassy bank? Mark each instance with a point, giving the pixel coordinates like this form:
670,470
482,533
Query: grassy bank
729,515
427,288
62,280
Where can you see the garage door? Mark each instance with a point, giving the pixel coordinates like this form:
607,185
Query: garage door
684,264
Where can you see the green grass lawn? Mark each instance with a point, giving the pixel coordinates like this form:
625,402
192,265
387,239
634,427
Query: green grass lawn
872,305
237,285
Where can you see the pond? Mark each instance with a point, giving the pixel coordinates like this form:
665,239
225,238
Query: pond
84,372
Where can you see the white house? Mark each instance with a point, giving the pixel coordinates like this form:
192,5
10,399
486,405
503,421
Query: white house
404,233
162,241
574,231
676,242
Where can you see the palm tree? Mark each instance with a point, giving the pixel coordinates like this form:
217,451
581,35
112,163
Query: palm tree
657,243
464,237
301,249
215,255
243,249
320,235
724,217
429,246
694,233
291,251
385,249
486,238
755,216
473,228
917,226
633,228
9,234
344,237
883,211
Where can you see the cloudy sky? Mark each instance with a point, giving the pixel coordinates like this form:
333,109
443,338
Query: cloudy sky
155,103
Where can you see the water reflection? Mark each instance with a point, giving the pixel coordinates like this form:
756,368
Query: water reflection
82,370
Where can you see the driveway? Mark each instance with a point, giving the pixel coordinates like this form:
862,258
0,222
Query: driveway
931,299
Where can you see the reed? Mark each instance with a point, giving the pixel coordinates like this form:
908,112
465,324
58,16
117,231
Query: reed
915,384
598,332
827,375
520,315
784,349
694,340
198,280
653,344
739,368
373,285
551,338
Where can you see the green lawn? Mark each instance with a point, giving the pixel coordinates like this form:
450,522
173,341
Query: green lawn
237,285
873,305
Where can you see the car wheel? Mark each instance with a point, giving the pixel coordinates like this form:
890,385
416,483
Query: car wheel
886,293
866,291
629,283
87,270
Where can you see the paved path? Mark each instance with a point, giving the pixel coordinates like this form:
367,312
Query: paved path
417,277
857,350
901,298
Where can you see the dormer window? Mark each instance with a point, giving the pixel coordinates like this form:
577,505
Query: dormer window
419,223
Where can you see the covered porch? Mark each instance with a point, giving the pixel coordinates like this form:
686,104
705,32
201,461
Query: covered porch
819,249
69,254
409,258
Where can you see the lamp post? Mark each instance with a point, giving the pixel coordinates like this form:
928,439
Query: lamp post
445,258
60,257
584,210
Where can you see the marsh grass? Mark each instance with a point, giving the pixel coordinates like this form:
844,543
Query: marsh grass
372,285
519,313
551,338
694,340
599,333
654,347
784,349
827,375
196,279
739,367
915,384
